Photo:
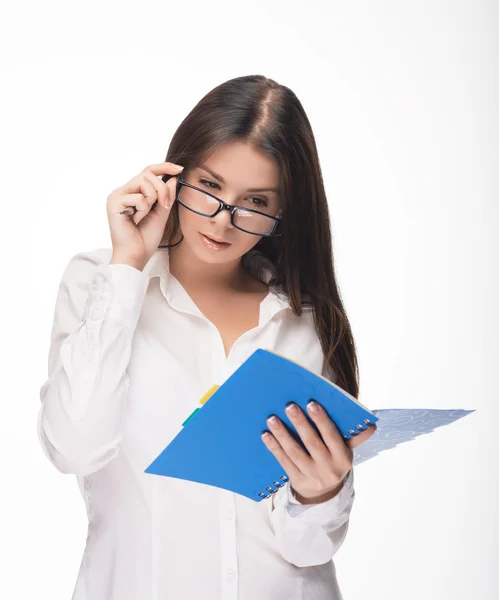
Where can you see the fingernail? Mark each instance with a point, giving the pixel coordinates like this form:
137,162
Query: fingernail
273,421
179,167
313,407
292,409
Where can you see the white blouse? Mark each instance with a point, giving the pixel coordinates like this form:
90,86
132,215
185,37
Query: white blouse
130,357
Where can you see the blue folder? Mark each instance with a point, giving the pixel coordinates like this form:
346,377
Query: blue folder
220,444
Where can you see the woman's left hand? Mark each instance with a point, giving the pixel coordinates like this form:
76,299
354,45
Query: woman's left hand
318,476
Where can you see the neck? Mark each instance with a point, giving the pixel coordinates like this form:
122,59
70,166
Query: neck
190,271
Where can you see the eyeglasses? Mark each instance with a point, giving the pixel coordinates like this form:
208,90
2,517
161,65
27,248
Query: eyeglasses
246,219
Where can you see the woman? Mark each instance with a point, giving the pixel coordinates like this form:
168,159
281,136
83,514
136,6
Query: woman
227,252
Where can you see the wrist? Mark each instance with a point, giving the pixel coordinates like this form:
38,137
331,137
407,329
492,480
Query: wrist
329,495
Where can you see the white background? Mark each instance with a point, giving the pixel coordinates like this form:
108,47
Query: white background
403,99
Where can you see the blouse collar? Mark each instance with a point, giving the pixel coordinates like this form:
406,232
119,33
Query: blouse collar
256,263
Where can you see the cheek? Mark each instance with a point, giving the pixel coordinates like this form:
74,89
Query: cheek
246,242
190,222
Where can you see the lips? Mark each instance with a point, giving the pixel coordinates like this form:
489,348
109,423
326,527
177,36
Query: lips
212,244
213,239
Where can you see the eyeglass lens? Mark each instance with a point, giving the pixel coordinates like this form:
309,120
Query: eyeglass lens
252,222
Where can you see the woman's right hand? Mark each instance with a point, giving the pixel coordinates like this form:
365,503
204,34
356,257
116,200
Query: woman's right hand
136,237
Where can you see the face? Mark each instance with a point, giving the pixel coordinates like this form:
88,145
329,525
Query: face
229,173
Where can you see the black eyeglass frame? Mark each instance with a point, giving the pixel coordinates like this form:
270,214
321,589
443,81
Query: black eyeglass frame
224,206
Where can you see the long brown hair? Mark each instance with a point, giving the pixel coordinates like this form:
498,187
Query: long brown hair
269,116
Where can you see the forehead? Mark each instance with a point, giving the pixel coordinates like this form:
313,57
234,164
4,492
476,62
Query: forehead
240,164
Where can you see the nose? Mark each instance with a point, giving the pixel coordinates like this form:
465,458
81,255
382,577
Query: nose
223,218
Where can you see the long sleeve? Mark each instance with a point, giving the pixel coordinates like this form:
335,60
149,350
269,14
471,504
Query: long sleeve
83,401
311,534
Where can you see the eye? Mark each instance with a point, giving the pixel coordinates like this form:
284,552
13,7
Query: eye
259,202
209,183
256,201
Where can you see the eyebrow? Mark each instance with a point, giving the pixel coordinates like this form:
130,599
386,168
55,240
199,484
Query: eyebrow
252,190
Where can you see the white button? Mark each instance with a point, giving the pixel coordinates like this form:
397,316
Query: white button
230,575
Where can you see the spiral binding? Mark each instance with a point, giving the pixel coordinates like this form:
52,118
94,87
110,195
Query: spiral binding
276,484
360,427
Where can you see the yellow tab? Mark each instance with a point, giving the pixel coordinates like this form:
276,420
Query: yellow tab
209,394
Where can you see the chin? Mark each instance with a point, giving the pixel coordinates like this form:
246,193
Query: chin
216,259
